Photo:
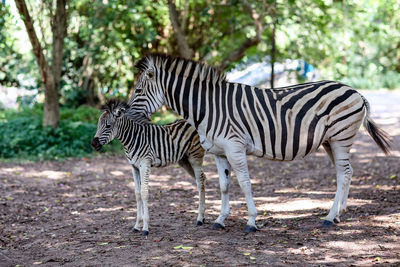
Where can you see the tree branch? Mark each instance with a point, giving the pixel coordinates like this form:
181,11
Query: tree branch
37,48
184,49
237,54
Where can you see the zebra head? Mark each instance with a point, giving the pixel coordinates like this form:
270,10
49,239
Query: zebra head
148,95
107,127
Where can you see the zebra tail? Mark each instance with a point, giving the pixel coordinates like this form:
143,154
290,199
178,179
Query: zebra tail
381,138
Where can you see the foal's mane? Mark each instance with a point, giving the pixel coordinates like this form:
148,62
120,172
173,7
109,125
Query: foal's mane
161,60
113,103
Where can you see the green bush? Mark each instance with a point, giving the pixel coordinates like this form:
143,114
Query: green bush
83,113
22,135
162,117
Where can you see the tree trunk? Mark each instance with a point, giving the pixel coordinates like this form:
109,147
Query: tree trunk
50,76
50,112
273,57
59,29
183,46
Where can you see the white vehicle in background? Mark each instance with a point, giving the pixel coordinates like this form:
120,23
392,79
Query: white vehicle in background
286,73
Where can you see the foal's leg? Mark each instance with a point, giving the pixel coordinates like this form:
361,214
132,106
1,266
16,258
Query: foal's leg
344,172
144,169
139,204
197,166
224,172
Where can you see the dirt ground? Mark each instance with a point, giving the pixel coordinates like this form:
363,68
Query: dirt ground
81,212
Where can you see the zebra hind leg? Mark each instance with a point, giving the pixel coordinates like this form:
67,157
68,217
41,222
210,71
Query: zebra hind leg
344,172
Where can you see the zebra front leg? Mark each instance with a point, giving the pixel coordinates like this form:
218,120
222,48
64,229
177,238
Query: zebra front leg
224,172
144,169
238,162
344,172
139,204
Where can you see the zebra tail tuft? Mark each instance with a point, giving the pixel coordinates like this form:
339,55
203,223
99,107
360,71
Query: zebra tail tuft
381,138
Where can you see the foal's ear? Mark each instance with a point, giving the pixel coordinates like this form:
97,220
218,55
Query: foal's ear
120,109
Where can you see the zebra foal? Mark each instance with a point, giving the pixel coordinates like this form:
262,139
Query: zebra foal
148,145
234,120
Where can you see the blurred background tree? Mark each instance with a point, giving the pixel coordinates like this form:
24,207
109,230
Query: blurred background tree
357,42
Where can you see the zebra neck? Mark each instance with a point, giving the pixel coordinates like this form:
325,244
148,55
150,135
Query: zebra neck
127,129
189,96
138,116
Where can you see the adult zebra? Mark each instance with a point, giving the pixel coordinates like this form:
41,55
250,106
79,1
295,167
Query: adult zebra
235,119
148,145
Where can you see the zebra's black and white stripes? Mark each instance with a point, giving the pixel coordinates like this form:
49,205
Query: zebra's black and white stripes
235,119
147,145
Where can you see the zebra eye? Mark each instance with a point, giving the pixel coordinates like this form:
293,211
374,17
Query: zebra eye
108,126
150,75
138,90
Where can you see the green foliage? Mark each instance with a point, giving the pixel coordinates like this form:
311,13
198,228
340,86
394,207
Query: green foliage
8,56
164,116
26,138
363,44
22,135
13,62
81,114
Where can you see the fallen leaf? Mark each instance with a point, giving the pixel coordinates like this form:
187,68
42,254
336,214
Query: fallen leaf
246,254
103,244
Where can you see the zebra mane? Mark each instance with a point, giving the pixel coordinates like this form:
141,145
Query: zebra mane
164,61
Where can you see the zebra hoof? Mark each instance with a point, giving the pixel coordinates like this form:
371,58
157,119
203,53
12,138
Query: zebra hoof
217,226
199,223
145,233
327,223
336,220
250,229
136,230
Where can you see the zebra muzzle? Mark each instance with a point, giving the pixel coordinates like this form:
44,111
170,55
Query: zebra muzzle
96,144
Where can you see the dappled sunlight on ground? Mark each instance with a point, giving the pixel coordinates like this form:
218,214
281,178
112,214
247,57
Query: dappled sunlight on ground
81,211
